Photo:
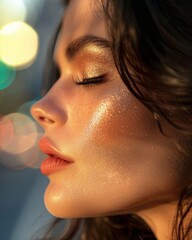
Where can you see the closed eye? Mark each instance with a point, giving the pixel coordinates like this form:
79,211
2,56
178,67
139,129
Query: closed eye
92,81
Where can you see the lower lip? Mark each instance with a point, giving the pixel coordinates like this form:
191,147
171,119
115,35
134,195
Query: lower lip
53,164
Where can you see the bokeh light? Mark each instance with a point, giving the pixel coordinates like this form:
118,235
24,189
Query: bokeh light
24,133
6,131
38,156
11,10
7,75
19,137
18,44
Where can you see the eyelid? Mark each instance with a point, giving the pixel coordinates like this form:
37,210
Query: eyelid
88,81
92,80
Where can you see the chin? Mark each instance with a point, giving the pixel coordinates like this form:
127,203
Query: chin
67,209
73,209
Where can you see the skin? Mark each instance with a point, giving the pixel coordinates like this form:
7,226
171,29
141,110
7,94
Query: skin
122,163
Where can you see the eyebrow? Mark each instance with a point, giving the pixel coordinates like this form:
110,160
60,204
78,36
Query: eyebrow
85,41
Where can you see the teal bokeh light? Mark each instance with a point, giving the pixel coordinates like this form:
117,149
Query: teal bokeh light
7,75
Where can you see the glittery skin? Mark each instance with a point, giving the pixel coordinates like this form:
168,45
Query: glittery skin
122,162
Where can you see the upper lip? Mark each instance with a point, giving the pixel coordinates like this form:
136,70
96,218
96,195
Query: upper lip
48,148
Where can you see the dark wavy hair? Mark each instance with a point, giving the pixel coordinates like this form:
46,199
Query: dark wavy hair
152,50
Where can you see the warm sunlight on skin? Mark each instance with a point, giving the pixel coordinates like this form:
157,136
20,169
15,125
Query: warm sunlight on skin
122,163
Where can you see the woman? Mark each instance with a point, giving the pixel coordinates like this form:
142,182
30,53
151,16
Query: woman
117,120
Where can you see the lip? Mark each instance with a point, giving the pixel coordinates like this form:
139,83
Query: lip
56,160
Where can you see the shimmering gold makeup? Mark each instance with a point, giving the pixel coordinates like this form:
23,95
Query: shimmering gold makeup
122,163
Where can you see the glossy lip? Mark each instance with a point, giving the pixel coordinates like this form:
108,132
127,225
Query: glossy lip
56,160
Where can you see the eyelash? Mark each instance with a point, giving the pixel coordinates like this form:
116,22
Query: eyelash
90,82
87,82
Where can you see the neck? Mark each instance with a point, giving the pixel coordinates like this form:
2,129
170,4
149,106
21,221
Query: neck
160,219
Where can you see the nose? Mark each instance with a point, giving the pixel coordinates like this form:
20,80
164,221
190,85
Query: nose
48,114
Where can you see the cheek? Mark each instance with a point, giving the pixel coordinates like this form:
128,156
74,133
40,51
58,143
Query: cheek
122,136
115,120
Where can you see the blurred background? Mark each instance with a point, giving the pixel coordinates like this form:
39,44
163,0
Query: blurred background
25,30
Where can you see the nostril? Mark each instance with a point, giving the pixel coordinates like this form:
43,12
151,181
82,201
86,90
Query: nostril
41,118
45,120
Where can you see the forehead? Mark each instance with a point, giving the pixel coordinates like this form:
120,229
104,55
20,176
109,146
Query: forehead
83,17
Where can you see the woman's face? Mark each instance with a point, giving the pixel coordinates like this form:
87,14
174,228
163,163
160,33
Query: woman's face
122,163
